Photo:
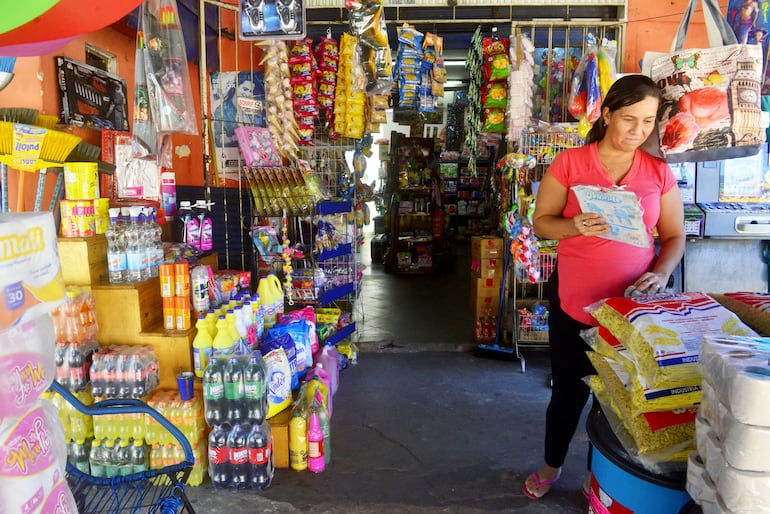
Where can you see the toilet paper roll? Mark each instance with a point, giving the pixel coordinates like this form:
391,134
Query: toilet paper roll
744,491
716,507
709,448
26,370
738,370
699,485
745,447
31,444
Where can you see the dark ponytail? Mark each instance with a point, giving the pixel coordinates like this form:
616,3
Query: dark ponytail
625,91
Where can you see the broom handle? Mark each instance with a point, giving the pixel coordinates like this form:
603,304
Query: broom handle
4,190
40,188
20,196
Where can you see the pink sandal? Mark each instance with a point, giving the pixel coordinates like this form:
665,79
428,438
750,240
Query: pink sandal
538,485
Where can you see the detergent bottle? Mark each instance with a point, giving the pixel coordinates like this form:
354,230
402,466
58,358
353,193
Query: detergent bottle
224,344
202,346
270,297
329,358
232,328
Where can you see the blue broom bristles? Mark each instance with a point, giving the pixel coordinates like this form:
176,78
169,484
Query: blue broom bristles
7,64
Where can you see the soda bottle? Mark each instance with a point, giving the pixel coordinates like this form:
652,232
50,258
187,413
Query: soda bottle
238,454
122,376
255,393
315,441
123,458
61,358
234,390
260,457
137,376
97,375
298,441
202,346
138,457
76,363
96,459
214,402
219,460
110,375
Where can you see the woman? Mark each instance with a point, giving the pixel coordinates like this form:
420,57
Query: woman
590,267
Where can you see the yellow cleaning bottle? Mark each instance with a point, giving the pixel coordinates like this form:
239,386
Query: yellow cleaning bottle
202,346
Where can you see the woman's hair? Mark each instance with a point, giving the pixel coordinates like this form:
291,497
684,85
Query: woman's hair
625,91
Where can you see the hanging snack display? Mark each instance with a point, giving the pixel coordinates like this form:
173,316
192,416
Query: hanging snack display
494,89
350,98
367,22
409,66
279,189
279,111
431,82
303,68
327,55
520,86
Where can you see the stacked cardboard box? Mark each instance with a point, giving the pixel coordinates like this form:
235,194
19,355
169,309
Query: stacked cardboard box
487,262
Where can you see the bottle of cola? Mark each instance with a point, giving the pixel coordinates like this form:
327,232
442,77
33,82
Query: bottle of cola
238,453
123,377
97,376
110,375
260,457
219,461
76,362
214,402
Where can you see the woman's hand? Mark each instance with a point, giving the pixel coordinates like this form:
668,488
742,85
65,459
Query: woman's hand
591,224
648,283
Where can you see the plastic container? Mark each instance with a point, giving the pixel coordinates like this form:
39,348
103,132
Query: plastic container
182,312
199,283
329,358
270,297
182,279
180,227
630,487
167,280
206,225
169,313
202,346
223,344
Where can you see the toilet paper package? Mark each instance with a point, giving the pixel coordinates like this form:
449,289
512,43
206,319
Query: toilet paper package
27,364
716,507
699,484
33,456
745,447
30,275
738,369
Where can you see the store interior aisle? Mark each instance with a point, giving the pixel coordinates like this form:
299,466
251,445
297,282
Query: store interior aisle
419,427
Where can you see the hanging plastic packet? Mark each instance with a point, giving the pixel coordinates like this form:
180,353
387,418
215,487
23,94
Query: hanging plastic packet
494,95
495,54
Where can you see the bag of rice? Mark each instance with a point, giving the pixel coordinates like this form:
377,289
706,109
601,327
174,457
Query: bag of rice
662,332
752,308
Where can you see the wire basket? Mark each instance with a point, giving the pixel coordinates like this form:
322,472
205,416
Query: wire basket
160,491
546,264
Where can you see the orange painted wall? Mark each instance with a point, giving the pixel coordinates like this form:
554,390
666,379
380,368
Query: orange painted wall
649,29
35,86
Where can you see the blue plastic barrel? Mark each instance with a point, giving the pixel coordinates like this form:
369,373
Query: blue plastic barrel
625,484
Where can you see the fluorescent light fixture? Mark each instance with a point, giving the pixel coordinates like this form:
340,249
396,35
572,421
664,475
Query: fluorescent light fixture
454,63
454,83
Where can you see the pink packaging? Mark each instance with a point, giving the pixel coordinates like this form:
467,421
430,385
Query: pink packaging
257,147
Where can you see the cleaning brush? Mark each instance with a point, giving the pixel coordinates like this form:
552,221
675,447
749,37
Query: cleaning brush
23,115
7,64
57,145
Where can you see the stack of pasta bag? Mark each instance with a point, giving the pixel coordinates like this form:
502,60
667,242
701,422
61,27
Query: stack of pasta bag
646,352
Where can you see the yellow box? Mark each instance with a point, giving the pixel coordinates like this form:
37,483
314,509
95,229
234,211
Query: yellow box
173,349
78,218
487,268
81,180
279,426
83,260
486,247
125,310
101,215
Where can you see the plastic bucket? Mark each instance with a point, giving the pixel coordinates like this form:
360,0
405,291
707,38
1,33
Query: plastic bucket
621,486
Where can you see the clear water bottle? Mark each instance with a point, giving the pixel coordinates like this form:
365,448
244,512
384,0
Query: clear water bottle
138,457
96,459
149,248
135,254
123,457
116,248
157,242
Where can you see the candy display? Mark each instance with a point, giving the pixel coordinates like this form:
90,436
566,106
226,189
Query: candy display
279,97
327,56
304,68
409,66
350,95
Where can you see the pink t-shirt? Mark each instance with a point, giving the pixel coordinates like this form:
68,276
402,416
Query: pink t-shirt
593,268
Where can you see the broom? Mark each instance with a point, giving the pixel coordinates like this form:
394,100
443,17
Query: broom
6,70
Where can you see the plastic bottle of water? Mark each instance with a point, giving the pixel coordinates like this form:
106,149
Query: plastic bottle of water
135,252
96,458
138,457
116,248
157,242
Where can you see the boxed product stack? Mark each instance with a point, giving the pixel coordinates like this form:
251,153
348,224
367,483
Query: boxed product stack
731,471
647,349
487,263
32,446
83,213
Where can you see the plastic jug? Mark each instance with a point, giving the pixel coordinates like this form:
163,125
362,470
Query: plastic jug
202,346
329,358
318,380
223,343
270,297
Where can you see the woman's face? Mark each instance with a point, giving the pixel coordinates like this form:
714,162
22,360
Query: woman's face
628,127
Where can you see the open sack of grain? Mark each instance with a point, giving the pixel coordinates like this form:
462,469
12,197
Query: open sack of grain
662,332
752,308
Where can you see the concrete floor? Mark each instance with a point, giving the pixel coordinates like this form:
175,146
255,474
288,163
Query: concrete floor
420,424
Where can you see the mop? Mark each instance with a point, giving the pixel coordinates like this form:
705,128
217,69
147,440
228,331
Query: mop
495,351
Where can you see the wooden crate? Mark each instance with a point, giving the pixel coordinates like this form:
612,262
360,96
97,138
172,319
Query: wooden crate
83,260
173,349
279,426
123,311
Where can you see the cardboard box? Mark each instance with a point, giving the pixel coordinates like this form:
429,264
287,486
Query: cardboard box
279,426
173,349
486,247
487,268
83,260
485,286
485,306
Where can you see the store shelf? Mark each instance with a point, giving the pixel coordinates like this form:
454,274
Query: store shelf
337,293
341,334
341,251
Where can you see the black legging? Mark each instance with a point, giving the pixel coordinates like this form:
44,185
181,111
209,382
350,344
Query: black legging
569,364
